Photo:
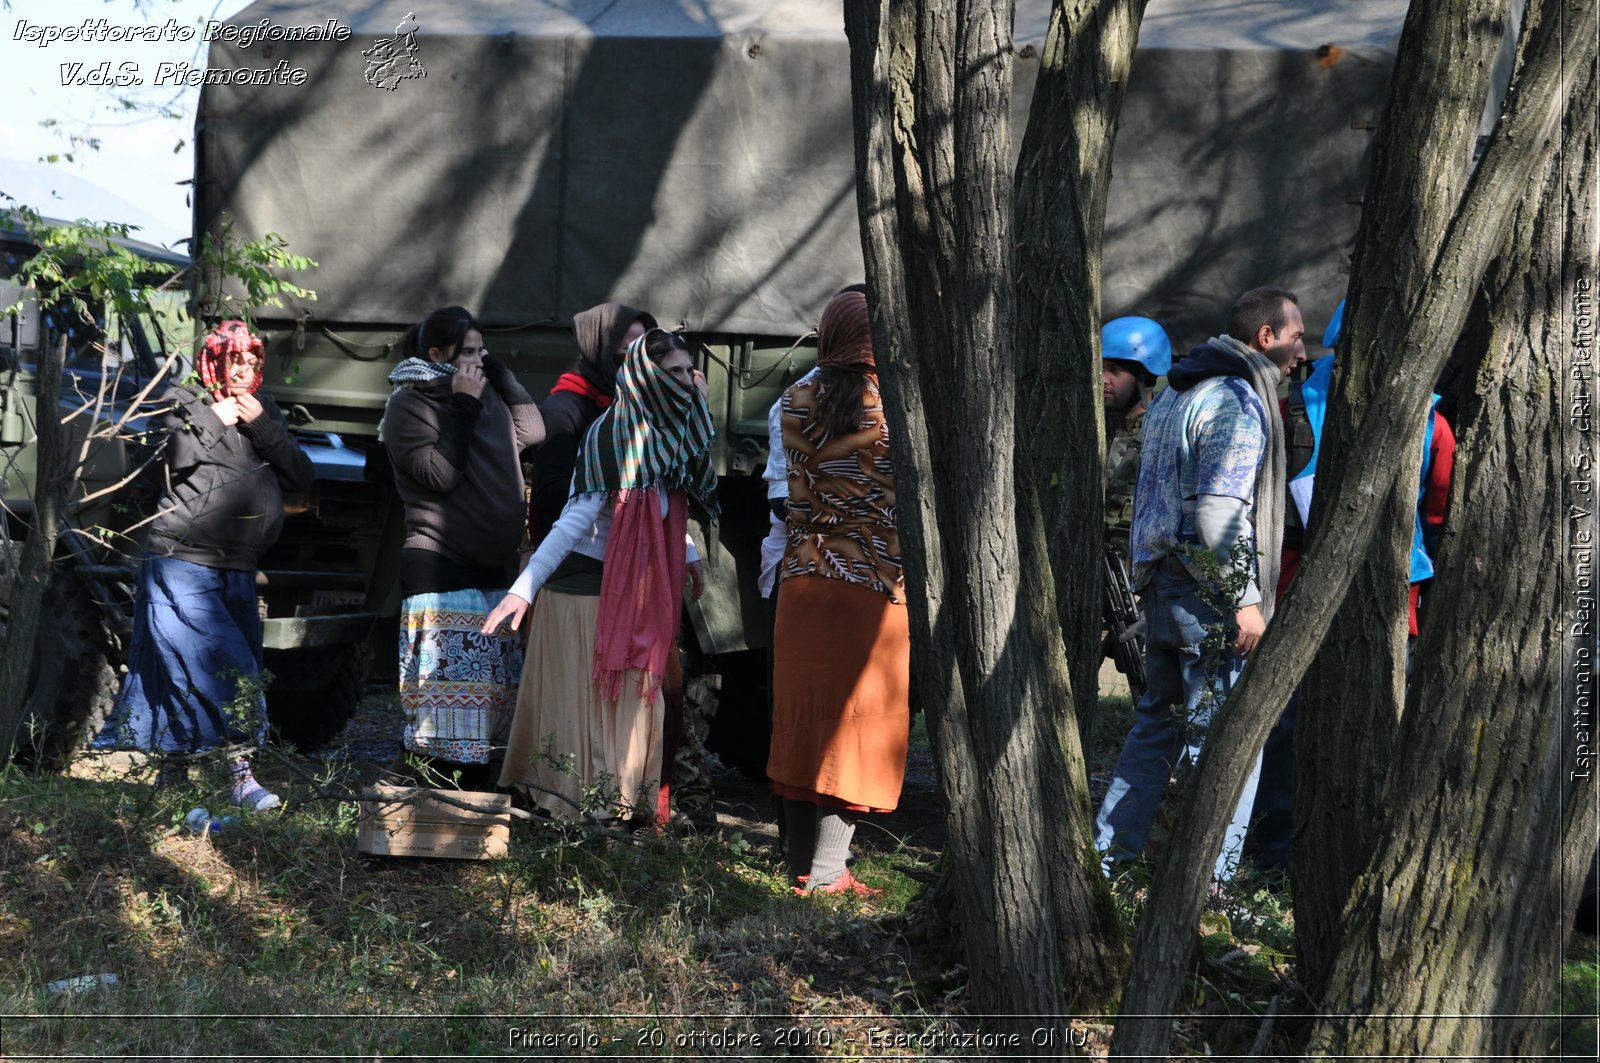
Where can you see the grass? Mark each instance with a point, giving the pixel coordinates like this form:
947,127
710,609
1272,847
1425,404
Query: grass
1578,1030
238,933
276,938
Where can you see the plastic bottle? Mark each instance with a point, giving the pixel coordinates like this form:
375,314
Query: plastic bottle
201,821
82,982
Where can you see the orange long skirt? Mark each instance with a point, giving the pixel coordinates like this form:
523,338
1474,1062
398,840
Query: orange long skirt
841,683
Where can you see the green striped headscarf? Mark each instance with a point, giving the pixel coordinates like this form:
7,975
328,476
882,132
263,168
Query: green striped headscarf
658,432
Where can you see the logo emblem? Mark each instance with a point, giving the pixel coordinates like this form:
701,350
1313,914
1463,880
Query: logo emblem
392,60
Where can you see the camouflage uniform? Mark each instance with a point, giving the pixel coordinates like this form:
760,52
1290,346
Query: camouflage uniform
691,775
1121,477
1122,474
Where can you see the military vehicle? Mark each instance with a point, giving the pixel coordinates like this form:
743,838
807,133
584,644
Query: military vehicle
115,366
696,159
85,620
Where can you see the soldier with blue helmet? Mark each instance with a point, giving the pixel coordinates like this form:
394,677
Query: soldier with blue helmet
1134,352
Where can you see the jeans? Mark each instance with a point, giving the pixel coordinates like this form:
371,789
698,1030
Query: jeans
1176,678
1274,809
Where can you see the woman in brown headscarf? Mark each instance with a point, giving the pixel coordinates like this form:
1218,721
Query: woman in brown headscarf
603,333
842,652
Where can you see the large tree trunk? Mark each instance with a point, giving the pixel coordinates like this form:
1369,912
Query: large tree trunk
1352,695
1433,305
1062,178
32,569
932,87
1458,915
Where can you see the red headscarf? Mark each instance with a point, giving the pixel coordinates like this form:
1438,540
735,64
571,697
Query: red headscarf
844,338
224,344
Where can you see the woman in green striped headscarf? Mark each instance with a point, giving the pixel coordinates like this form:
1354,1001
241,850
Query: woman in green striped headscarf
601,679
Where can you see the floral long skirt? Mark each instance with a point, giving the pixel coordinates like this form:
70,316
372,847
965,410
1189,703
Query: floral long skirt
458,687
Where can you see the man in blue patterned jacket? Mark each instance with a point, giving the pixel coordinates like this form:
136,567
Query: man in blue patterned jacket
1212,477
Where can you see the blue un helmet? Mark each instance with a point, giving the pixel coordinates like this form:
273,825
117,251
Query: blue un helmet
1138,340
1335,329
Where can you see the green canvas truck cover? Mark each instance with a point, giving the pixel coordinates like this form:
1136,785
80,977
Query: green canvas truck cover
696,156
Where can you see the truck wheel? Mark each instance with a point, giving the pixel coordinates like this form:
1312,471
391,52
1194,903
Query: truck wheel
314,692
74,680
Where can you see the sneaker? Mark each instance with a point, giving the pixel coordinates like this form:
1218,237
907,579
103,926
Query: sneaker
249,794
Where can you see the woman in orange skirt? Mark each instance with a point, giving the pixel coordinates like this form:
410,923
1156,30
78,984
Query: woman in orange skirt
842,652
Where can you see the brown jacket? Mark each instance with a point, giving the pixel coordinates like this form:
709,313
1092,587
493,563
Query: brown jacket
458,469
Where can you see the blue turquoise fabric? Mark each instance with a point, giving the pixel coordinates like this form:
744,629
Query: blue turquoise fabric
196,635
1207,440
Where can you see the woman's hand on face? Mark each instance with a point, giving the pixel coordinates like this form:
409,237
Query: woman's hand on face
227,411
704,385
469,379
249,407
696,579
508,614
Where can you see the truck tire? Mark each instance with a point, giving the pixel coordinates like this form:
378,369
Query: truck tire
314,692
74,680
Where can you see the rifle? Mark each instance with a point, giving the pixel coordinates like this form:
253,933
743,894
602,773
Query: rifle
1124,642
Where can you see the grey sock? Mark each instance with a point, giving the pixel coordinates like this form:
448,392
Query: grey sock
834,831
800,836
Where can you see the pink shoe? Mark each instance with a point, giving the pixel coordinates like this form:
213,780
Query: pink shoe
845,883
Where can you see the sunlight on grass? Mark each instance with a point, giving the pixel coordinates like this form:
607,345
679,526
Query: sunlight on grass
278,915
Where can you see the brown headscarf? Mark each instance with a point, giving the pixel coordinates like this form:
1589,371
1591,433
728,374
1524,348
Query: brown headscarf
599,331
844,339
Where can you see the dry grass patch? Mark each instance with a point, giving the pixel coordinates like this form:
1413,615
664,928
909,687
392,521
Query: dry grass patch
234,936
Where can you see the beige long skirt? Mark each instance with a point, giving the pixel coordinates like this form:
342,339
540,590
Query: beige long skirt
598,755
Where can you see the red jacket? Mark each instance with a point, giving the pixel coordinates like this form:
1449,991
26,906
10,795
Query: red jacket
1435,500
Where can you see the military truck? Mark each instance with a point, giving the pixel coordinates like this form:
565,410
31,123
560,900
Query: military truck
84,623
114,374
696,160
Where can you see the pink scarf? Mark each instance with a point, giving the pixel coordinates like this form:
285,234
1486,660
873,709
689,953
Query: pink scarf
641,592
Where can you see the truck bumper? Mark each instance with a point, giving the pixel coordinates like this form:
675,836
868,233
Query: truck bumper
298,632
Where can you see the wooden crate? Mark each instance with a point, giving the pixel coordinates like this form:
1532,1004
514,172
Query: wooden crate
393,823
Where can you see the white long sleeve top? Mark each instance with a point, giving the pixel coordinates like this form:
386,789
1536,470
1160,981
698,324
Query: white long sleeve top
777,477
583,527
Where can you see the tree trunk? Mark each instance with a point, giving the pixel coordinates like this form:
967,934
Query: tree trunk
931,95
1062,178
1457,917
32,570
1434,305
1352,695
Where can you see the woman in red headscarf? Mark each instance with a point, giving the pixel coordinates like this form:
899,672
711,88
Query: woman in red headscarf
195,659
842,651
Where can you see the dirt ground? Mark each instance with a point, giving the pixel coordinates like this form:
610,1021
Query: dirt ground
916,827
